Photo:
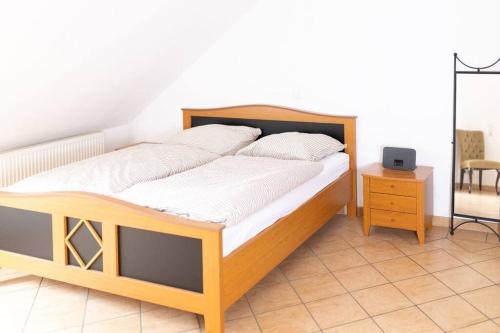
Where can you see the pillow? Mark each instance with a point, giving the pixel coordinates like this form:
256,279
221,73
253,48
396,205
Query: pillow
294,146
216,138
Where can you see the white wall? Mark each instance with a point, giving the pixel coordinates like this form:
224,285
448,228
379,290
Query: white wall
71,67
478,108
389,62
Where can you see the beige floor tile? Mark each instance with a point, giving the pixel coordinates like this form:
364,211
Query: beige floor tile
269,298
128,324
55,316
167,320
462,279
303,251
381,299
294,319
301,268
104,306
434,261
14,309
317,287
423,289
240,309
57,307
358,239
379,251
60,293
493,252
484,327
469,235
49,282
242,325
399,269
436,233
146,306
445,244
474,246
326,234
18,281
362,326
335,311
452,313
275,276
486,300
473,257
325,247
410,320
492,238
410,249
342,260
490,269
75,329
360,277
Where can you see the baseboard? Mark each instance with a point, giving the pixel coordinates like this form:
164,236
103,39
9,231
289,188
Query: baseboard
444,221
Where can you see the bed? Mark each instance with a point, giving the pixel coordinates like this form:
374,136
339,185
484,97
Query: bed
107,244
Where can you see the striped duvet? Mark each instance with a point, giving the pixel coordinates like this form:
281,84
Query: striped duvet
223,191
116,171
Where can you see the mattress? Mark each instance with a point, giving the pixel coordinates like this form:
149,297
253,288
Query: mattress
235,236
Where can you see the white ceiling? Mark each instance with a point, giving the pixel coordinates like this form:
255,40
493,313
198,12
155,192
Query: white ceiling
70,67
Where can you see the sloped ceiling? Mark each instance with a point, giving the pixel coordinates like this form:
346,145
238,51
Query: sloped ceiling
71,67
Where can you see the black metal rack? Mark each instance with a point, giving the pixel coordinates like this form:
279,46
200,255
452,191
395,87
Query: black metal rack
471,70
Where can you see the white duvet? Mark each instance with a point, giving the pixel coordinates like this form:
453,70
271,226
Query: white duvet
223,191
116,171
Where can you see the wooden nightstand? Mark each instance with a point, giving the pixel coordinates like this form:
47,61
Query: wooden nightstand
398,199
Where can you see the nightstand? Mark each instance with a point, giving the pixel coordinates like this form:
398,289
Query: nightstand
398,199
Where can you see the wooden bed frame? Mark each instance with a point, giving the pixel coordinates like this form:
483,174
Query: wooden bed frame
225,279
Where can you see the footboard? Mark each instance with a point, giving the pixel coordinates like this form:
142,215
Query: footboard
110,245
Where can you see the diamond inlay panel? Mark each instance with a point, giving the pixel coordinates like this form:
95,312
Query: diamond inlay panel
84,244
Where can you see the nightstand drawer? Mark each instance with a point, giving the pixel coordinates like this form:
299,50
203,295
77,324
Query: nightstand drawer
393,187
393,202
393,219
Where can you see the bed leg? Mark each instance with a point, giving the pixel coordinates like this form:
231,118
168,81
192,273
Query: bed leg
212,282
352,209
214,321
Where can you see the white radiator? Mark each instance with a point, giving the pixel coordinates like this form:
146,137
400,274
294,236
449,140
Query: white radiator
18,164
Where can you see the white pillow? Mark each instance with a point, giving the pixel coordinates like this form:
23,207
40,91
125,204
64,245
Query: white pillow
216,138
294,146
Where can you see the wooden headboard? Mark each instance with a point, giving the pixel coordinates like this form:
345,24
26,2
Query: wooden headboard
276,119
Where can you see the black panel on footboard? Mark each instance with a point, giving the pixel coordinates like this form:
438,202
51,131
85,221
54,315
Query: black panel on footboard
26,232
170,260
268,127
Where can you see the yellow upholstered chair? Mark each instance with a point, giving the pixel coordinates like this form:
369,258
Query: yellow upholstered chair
471,145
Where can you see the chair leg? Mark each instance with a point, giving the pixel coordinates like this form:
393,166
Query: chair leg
480,180
462,173
496,183
470,180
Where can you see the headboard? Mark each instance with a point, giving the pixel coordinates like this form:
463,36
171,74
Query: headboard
276,119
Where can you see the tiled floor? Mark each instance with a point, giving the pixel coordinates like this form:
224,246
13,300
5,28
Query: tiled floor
339,281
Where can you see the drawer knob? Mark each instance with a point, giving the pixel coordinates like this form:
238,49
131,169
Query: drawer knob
392,203
392,185
392,219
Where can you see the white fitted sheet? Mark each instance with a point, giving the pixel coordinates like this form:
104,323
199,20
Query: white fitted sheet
333,167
